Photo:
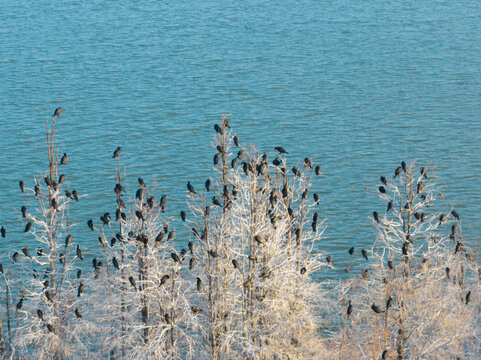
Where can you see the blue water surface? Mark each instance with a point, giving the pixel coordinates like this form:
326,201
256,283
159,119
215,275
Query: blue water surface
357,85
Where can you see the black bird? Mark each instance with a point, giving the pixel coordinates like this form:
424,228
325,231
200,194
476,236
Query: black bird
403,166
296,171
351,250
459,245
90,224
384,355
25,251
317,170
20,304
141,182
468,297
276,162
217,128
196,310
191,263
116,263
164,279
163,199
405,248
303,270
168,319
116,152
79,274
235,263
48,296
75,195
68,194
68,240
24,211
182,215
376,216
78,313
349,309
316,198
455,214
216,158
281,150
441,219
105,218
213,253
50,328
80,289
28,227
171,235
364,254
220,149
139,215
448,270
199,284
190,188
40,314
329,259
37,190
22,186
57,112
1,269
207,184
315,217
259,239
15,256
175,257
191,247
376,309
138,194
79,253
390,205
382,190
233,163
419,187
132,282
61,178
215,201
389,302
3,231
384,180
236,140
397,171
64,159
390,264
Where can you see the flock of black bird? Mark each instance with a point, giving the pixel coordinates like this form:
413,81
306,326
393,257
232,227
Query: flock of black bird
248,168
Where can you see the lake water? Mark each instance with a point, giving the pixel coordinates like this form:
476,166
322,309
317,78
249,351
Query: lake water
357,85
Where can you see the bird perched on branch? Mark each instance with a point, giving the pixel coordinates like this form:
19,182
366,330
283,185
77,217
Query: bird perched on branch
116,152
376,309
57,112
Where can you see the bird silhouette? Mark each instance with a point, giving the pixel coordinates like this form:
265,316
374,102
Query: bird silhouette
79,253
78,313
236,140
376,309
364,254
190,188
175,257
384,180
57,112
28,227
22,186
280,149
164,279
80,289
132,282
199,284
40,314
117,152
64,159
351,250
349,309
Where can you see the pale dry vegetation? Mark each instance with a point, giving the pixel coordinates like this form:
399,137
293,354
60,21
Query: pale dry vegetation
250,284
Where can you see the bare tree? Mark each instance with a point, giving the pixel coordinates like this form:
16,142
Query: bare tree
419,298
